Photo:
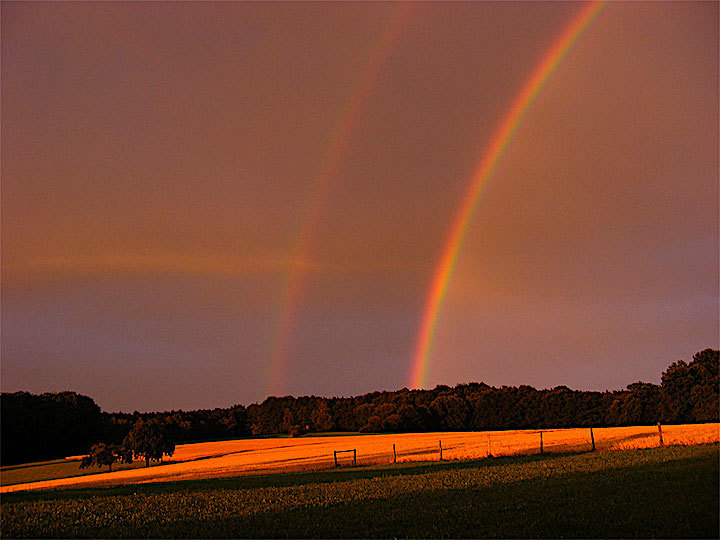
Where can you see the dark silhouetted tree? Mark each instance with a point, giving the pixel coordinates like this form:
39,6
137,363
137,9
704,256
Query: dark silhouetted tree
47,426
640,405
321,418
690,391
451,412
148,440
102,454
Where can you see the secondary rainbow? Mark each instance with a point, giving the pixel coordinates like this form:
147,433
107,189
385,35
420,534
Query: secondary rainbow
319,192
453,244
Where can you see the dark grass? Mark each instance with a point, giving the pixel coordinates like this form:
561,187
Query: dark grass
663,492
276,480
640,503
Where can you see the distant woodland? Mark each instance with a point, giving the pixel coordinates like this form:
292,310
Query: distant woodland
55,425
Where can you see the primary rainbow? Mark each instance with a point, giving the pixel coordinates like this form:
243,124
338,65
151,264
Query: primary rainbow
330,166
483,172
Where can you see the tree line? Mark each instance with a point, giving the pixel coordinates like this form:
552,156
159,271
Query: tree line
47,426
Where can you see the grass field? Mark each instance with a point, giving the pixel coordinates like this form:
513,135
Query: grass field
59,468
263,455
656,492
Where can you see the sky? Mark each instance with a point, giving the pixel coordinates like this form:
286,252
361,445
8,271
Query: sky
204,204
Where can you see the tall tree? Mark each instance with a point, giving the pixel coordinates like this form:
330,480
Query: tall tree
690,391
148,440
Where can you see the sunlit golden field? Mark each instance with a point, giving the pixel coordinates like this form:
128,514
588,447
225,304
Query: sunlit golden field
255,456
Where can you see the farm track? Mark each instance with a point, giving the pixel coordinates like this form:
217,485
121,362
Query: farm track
262,456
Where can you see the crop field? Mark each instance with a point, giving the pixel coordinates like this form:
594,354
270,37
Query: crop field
670,491
258,456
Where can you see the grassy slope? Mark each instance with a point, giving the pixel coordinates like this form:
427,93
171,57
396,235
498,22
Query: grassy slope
48,470
62,468
662,492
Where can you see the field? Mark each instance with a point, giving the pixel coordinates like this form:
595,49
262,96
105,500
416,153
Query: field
59,468
655,492
258,456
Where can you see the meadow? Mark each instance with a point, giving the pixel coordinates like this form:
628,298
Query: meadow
265,455
669,491
57,468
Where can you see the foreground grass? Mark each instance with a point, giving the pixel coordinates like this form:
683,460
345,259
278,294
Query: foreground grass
660,492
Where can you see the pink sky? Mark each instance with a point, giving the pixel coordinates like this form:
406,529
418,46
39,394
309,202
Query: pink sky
158,161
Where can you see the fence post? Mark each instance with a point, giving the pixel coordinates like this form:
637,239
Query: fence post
541,443
660,433
592,439
394,455
335,457
440,450
354,457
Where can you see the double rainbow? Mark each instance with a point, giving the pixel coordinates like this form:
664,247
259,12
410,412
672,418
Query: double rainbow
484,170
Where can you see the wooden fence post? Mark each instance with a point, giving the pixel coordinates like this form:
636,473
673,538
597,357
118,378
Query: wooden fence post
394,455
440,450
354,457
660,433
541,443
592,439
335,457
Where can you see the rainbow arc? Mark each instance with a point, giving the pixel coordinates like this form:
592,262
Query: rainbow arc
330,166
483,172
